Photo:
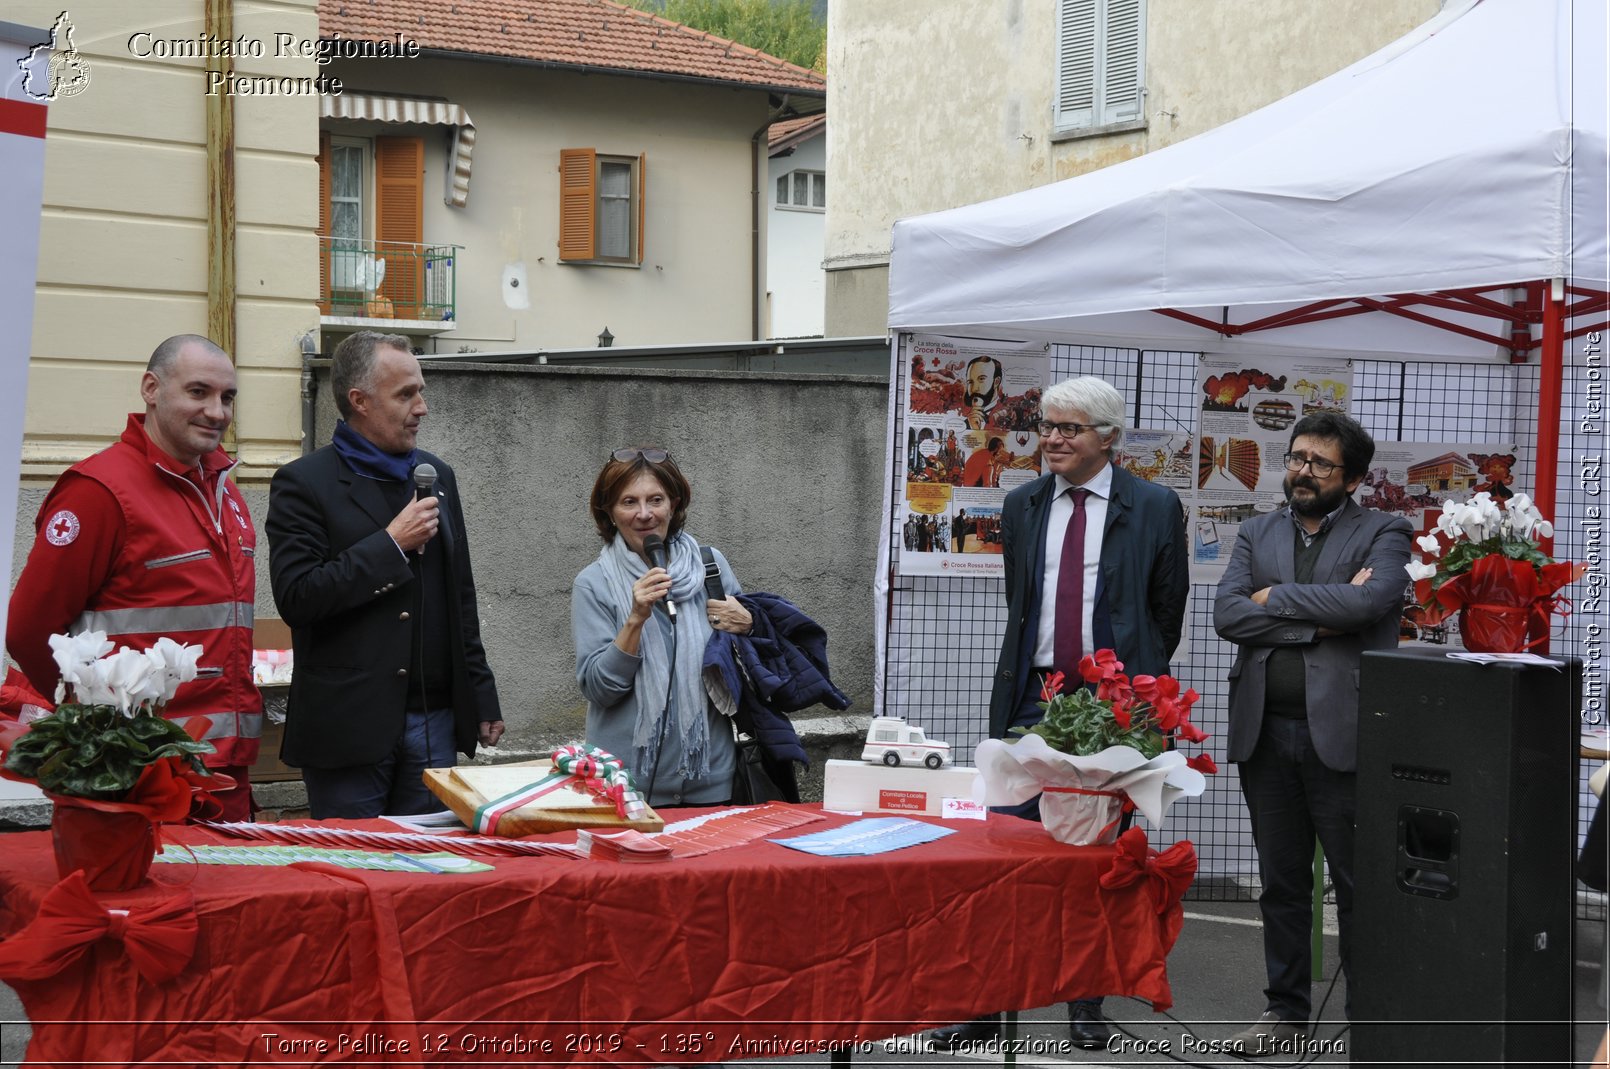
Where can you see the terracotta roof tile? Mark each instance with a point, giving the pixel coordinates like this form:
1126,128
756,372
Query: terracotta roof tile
590,33
792,131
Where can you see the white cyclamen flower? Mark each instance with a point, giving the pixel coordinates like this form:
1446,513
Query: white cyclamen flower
178,665
73,655
94,684
1429,545
1418,571
128,673
1544,529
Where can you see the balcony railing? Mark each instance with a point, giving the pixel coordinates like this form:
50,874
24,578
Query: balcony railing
387,280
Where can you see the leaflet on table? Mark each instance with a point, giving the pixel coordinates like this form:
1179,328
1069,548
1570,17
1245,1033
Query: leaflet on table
281,855
1246,409
1412,480
862,838
970,411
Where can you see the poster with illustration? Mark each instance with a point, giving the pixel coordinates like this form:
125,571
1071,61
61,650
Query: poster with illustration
1162,457
1246,409
1412,480
970,412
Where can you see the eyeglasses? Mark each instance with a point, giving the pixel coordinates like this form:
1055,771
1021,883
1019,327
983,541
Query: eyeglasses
1318,465
653,456
1067,430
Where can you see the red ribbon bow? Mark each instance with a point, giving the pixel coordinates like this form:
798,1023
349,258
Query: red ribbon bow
1167,875
160,939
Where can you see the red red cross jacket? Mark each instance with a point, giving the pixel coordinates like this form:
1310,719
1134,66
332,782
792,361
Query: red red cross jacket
129,544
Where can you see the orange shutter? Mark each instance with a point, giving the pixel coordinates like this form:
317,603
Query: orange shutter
323,162
578,199
400,222
642,198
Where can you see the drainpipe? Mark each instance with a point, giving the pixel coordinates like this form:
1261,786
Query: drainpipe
757,145
220,26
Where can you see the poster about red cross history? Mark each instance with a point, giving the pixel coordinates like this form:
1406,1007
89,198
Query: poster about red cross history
1246,407
1413,480
970,413
22,171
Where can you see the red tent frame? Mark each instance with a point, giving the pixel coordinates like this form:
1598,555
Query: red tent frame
1539,303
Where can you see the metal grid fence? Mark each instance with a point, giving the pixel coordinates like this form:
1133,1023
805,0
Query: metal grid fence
944,633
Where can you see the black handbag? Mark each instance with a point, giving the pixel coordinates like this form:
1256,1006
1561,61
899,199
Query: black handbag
751,783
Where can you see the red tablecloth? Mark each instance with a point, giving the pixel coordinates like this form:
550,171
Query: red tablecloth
754,951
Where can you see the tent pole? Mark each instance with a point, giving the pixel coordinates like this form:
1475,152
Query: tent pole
1550,388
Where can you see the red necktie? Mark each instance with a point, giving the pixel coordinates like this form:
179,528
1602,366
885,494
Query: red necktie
1068,636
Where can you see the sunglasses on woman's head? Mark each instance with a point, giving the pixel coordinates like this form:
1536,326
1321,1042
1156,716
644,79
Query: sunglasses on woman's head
653,456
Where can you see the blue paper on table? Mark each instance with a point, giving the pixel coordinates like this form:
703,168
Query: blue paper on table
860,838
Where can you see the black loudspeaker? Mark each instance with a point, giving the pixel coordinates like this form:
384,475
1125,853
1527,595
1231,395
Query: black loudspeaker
1462,908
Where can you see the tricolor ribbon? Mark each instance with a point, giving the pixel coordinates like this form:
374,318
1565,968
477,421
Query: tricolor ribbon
595,771
159,939
602,773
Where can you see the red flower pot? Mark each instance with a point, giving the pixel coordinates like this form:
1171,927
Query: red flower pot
113,849
1494,628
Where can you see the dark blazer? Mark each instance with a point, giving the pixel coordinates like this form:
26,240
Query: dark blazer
349,595
1366,617
1140,594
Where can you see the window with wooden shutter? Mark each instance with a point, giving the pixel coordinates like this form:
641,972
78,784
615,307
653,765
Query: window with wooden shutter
1101,64
577,192
400,224
602,210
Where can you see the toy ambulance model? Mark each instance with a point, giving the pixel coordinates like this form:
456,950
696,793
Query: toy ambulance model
891,740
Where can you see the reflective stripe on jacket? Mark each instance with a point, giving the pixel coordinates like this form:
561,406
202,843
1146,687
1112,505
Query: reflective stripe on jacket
186,570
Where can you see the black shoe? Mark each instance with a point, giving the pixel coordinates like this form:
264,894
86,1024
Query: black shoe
978,1030
1088,1027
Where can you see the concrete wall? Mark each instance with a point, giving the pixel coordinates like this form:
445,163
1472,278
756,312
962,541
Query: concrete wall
939,105
794,246
123,242
695,282
787,472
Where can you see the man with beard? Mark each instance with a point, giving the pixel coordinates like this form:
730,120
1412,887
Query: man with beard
1307,590
983,389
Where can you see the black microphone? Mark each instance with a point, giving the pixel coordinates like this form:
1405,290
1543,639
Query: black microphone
424,481
654,546
424,486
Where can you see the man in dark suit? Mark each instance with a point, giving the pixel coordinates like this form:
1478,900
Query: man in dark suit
1095,559
1307,590
390,675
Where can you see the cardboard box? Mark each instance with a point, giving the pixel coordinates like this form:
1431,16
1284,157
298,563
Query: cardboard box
856,786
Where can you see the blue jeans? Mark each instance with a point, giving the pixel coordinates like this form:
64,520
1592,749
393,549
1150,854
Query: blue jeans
395,786
1292,797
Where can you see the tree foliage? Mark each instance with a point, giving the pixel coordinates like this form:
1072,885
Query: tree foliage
787,29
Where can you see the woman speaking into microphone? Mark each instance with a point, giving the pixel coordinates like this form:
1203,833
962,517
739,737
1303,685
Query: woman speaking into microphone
641,620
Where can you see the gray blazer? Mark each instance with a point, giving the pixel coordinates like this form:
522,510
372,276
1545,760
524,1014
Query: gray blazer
1366,618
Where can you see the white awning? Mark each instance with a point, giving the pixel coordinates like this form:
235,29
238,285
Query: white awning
419,112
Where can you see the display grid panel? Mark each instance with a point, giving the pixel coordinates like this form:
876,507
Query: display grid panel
944,634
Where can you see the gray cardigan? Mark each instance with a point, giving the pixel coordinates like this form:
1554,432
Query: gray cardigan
607,675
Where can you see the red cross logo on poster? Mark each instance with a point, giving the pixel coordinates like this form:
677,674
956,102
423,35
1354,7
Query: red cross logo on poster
62,529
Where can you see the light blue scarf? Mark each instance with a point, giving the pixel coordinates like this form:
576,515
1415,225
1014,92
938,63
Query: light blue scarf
657,679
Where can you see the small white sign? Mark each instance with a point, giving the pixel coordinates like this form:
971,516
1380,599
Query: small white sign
962,809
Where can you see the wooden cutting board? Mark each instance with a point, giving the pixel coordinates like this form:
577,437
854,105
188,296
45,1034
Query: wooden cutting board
465,790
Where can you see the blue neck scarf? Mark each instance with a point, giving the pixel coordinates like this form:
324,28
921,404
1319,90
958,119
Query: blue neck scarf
368,460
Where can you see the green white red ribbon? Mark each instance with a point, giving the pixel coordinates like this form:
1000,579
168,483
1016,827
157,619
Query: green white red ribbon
595,771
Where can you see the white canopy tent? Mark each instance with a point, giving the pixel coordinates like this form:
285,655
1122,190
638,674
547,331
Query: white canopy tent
1469,154
1444,198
